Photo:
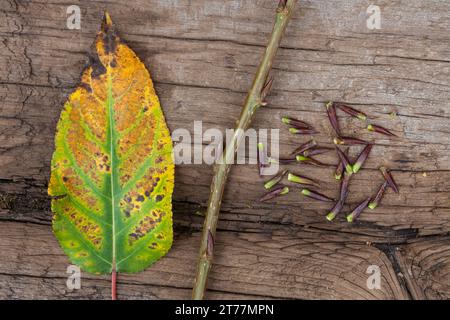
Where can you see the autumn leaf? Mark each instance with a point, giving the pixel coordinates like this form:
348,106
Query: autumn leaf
112,171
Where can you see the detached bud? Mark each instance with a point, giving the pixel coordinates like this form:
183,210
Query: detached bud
379,129
262,158
315,151
273,181
275,193
305,146
389,178
348,141
316,196
302,180
340,167
376,201
331,112
362,158
299,124
302,131
353,112
335,210
358,210
307,160
346,163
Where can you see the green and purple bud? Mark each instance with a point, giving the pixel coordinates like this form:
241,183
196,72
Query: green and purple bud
376,201
282,190
305,146
349,141
302,131
274,180
302,180
362,158
316,195
353,112
342,197
331,112
379,129
340,167
262,158
299,124
335,210
343,192
358,210
315,151
389,178
345,162
307,160
282,160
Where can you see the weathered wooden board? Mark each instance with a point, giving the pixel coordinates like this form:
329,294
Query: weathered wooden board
202,56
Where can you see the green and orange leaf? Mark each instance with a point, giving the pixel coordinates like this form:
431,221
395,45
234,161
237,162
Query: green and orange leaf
112,172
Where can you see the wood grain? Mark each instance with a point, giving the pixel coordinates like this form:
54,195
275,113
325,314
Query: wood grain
202,56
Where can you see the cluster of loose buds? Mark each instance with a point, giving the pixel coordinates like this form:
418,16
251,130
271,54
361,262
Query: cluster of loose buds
346,168
302,154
